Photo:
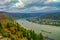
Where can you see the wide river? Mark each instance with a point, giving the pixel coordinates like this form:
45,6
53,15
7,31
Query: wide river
50,31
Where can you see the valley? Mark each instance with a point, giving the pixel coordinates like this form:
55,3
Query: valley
48,30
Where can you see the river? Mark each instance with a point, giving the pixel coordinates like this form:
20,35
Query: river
47,30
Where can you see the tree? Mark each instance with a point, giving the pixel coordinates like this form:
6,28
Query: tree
41,37
18,27
12,38
33,35
0,25
24,34
7,25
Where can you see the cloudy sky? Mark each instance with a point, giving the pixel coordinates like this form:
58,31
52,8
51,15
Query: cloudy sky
29,6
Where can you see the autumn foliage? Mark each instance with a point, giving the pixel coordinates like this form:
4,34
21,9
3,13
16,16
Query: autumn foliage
14,31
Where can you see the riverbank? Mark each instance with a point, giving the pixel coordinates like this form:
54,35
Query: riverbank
55,33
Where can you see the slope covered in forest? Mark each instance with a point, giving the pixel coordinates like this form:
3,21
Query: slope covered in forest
10,30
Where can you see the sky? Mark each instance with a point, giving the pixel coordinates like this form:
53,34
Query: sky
30,6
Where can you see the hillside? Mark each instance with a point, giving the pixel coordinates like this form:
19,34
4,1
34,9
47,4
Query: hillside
10,30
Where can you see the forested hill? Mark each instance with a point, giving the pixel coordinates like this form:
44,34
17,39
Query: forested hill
54,16
23,15
10,30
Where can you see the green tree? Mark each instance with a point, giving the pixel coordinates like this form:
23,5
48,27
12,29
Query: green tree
24,34
41,37
7,25
12,38
18,27
33,35
0,25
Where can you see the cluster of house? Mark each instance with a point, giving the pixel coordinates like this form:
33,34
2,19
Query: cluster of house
48,21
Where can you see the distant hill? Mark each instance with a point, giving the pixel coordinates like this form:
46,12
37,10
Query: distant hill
23,15
55,16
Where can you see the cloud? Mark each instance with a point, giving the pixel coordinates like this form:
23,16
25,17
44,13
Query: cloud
26,6
50,1
4,2
18,4
8,1
30,3
41,9
35,9
23,3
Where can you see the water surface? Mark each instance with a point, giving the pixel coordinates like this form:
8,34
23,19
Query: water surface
50,31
